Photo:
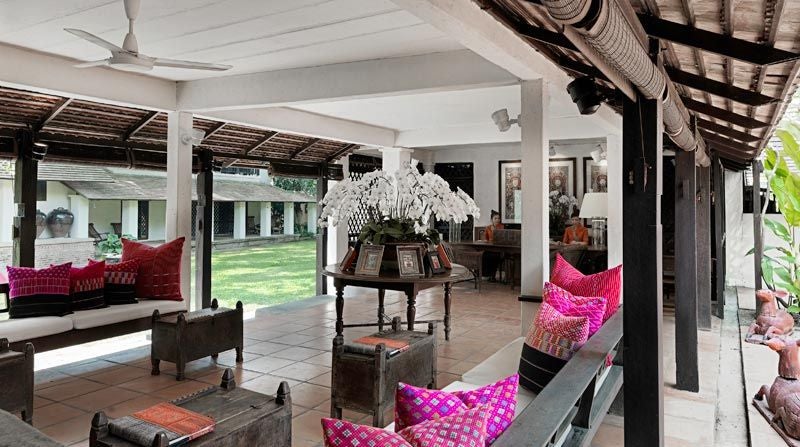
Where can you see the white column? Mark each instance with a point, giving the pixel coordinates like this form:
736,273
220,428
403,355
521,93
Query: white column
239,220
130,217
213,222
394,157
337,235
266,219
7,211
614,227
535,223
311,211
179,193
288,217
79,206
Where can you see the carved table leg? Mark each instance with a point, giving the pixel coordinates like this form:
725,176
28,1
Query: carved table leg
155,362
381,297
447,302
239,357
215,356
180,366
411,311
339,309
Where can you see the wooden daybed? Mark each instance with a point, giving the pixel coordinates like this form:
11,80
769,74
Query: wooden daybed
48,333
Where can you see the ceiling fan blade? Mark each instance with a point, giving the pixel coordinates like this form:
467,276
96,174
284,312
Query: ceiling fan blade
92,64
94,39
161,62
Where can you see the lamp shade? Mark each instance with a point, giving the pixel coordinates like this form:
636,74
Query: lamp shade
595,204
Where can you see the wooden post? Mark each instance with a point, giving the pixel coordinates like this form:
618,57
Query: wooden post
718,177
758,242
26,172
204,227
686,272
322,236
704,248
642,291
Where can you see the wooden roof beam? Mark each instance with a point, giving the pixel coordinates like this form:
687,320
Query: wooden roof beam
733,133
52,113
141,124
267,137
217,127
304,148
340,153
725,115
727,143
726,46
720,89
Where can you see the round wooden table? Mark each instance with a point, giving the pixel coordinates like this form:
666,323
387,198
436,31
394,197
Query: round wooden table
410,285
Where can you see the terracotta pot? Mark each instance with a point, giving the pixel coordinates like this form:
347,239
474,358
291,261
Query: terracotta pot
40,222
59,222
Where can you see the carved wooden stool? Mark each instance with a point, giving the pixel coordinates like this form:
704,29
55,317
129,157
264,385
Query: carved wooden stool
17,368
190,336
365,378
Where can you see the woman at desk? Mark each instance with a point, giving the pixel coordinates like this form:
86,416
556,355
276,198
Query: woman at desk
492,260
576,233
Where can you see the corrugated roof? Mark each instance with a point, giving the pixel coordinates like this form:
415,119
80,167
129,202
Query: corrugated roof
154,187
62,172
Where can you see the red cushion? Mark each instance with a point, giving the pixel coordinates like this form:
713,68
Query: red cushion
38,292
159,274
557,334
607,284
591,307
86,286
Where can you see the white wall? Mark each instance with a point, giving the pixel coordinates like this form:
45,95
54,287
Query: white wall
157,220
103,212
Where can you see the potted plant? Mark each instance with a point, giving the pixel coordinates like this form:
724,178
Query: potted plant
401,207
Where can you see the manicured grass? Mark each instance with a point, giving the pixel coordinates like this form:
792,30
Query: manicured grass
264,276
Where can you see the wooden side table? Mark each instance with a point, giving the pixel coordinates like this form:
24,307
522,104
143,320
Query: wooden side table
17,368
190,336
242,417
367,382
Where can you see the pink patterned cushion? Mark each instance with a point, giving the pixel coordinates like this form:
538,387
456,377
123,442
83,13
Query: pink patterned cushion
591,307
465,429
415,405
38,292
557,334
607,284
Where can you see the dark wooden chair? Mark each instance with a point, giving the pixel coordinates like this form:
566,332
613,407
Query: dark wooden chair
478,233
469,258
17,368
117,227
96,235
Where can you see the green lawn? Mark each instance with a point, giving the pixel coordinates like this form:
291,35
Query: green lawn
264,276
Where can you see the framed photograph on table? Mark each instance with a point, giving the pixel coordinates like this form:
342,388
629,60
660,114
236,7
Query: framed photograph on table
409,260
369,260
435,261
595,176
510,190
562,175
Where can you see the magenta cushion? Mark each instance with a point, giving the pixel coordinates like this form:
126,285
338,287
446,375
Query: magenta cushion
38,292
591,307
415,405
464,429
607,284
557,334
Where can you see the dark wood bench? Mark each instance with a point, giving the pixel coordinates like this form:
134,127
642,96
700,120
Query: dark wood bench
572,407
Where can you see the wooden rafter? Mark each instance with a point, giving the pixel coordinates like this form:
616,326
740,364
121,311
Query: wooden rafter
300,150
721,89
733,133
217,127
52,113
264,140
131,131
698,56
728,143
772,21
341,152
725,115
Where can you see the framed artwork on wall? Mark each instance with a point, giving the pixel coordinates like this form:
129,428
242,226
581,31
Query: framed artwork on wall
562,175
510,189
595,176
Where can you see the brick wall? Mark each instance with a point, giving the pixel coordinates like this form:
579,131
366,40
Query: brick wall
55,251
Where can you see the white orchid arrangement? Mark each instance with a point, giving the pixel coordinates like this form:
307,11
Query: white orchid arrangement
401,206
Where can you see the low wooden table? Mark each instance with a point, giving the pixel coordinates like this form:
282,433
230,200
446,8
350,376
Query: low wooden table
16,368
393,281
243,418
190,336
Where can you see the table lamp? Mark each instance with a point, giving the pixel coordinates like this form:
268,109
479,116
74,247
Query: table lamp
595,207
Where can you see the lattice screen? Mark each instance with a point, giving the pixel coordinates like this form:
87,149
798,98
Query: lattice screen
144,220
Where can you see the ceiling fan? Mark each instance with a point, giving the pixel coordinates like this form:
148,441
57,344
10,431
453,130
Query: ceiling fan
127,57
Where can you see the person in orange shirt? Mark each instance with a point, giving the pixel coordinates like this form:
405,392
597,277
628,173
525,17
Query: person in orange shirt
576,233
495,225
491,261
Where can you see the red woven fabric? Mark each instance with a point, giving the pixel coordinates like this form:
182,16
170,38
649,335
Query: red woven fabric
607,284
591,307
159,275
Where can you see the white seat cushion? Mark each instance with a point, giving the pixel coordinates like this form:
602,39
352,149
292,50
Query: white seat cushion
16,329
500,365
85,319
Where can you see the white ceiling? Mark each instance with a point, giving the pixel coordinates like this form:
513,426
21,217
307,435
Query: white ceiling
437,110
251,35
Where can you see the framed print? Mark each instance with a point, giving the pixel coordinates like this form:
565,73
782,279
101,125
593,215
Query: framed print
409,260
595,176
436,262
562,178
348,260
369,260
510,200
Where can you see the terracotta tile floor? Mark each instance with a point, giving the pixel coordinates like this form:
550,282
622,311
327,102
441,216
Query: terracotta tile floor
291,343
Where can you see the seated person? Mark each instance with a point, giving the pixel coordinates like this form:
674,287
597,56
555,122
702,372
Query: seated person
491,261
576,233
